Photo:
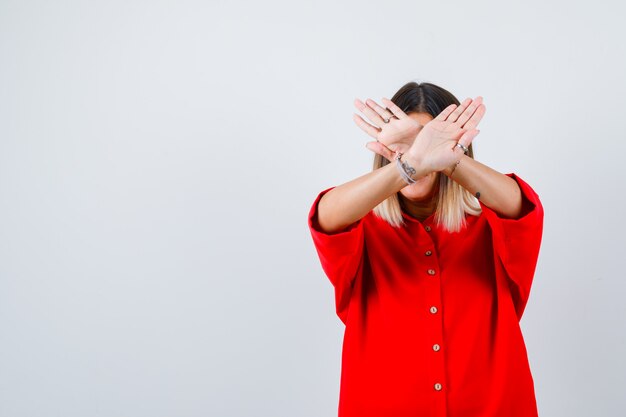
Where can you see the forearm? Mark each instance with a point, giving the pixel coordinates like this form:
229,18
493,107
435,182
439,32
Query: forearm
497,191
349,202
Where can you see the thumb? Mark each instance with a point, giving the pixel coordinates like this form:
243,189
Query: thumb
469,136
380,149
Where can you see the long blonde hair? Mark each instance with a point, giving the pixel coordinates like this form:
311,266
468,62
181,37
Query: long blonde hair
453,201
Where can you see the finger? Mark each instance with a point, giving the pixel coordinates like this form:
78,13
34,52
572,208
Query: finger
371,114
397,111
445,113
383,113
459,110
466,140
380,149
469,111
476,117
366,127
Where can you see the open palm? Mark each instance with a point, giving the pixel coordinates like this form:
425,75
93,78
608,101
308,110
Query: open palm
392,129
434,144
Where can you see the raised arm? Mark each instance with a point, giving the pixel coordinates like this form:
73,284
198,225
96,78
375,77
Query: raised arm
347,203
496,190
427,148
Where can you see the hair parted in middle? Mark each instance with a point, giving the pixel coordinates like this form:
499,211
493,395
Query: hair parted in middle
453,201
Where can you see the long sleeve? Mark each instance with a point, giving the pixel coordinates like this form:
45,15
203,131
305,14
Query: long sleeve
516,243
340,255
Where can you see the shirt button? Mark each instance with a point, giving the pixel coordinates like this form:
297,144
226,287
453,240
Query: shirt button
433,309
438,386
431,272
436,347
427,228
428,253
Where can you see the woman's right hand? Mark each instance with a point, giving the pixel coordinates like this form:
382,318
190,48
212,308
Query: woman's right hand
435,147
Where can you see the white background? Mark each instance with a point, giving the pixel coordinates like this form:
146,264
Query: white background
158,160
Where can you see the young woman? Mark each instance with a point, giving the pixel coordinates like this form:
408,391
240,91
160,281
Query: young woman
432,257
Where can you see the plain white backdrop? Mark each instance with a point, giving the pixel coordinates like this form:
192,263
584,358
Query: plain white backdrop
158,160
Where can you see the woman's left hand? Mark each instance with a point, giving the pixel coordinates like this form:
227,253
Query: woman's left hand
393,129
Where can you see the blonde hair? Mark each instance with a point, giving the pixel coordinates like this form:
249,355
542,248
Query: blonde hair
453,202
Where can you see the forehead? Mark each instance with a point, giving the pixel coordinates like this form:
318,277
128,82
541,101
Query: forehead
422,118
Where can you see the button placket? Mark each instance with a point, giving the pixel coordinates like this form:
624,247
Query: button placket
433,286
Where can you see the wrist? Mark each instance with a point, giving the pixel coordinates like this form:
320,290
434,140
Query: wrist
450,170
417,165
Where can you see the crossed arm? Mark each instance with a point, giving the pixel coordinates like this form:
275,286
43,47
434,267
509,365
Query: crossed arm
494,189
348,202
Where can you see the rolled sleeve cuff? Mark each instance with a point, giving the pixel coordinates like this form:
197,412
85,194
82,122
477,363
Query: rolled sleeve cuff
512,231
342,243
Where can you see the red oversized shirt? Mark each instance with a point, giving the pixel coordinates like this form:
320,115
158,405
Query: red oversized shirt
431,317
